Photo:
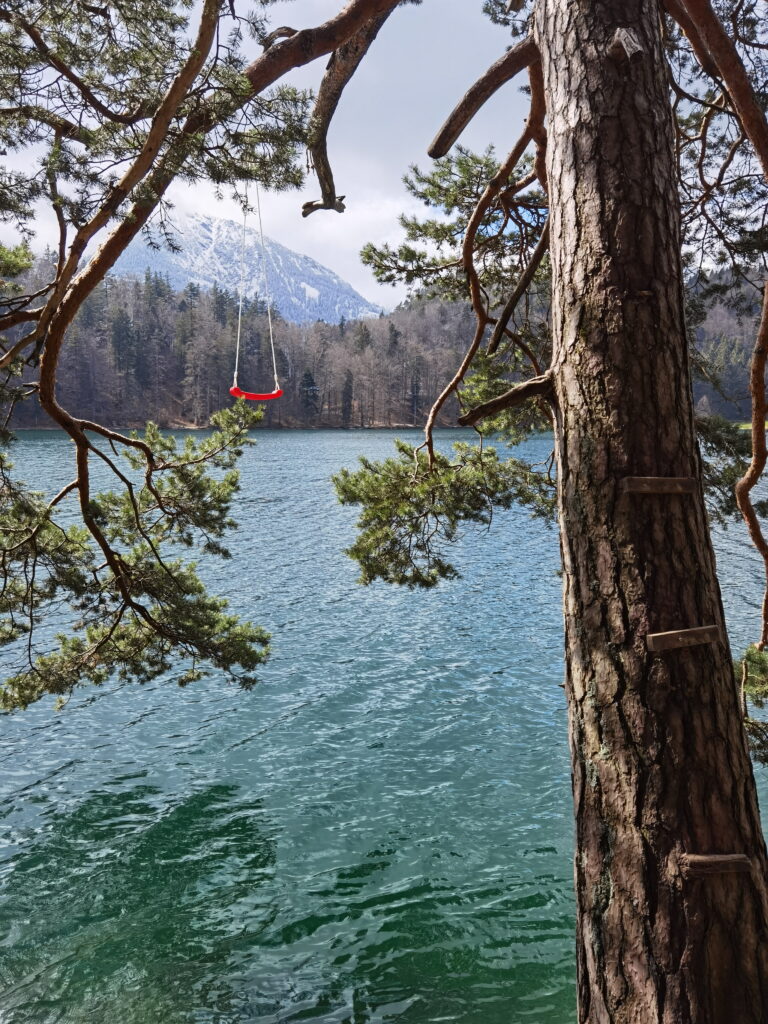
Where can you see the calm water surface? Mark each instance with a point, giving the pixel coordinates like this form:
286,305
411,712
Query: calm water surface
380,832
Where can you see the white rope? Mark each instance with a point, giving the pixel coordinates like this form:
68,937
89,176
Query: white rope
242,290
266,288
240,305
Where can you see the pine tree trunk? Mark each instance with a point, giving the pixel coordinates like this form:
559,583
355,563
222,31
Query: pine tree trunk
661,768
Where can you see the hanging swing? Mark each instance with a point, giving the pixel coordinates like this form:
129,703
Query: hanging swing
235,390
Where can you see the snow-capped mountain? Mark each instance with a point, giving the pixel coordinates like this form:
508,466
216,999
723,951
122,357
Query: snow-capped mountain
209,251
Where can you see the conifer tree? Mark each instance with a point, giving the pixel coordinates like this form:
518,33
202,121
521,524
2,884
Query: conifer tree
600,201
671,868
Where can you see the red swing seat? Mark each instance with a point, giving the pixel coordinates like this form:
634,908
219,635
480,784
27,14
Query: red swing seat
235,391
254,396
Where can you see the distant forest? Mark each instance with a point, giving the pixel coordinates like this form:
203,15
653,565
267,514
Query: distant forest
138,351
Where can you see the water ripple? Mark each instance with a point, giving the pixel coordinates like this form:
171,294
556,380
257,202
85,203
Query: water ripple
380,832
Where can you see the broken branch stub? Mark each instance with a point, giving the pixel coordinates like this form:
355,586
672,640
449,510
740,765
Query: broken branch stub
625,44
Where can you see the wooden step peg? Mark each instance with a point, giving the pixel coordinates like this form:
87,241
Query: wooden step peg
699,865
682,638
658,485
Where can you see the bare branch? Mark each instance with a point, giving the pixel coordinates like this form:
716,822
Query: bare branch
341,67
114,437
537,387
505,68
283,32
19,316
310,43
57,499
756,467
14,303
454,383
16,350
53,187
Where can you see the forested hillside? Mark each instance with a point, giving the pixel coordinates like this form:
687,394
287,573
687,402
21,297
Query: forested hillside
140,350
725,342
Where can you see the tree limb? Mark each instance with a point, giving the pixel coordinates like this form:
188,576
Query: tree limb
283,32
733,73
493,189
677,11
19,316
16,349
537,387
341,67
64,309
505,68
310,43
536,120
60,312
454,383
756,467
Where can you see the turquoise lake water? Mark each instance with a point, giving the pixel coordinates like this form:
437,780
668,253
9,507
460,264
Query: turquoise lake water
380,832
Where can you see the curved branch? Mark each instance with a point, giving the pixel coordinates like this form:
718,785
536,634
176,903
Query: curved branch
759,452
454,383
505,68
527,351
283,32
733,73
536,387
310,43
493,189
20,316
341,67
678,13
536,121
64,311
16,350
53,189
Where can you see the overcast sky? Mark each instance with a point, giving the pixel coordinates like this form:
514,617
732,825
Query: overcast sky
422,62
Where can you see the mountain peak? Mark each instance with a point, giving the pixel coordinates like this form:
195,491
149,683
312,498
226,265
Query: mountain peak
302,289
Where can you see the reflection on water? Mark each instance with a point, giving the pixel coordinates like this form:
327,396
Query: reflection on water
380,832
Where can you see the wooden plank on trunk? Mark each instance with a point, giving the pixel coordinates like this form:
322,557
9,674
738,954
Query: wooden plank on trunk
659,485
682,638
700,864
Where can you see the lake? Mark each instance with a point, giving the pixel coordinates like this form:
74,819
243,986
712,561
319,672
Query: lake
381,831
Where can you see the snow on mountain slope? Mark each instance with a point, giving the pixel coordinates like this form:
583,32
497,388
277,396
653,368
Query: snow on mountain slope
299,287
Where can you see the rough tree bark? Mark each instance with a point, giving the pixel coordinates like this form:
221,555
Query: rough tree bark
661,770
